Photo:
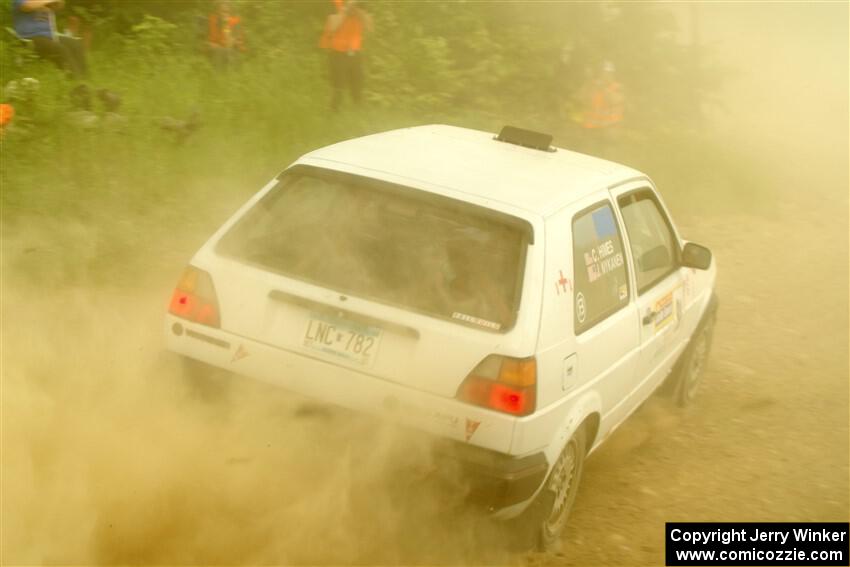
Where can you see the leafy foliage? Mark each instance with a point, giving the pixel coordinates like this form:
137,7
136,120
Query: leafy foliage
152,38
473,64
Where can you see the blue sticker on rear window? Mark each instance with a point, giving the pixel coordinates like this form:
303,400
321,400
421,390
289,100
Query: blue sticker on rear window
603,221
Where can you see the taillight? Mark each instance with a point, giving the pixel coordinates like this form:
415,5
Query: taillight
502,383
194,298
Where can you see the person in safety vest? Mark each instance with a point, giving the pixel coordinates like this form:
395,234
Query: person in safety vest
224,34
342,37
7,112
604,107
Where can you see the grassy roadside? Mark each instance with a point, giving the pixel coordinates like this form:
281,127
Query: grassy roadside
115,204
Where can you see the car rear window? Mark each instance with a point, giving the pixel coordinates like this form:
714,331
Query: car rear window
388,243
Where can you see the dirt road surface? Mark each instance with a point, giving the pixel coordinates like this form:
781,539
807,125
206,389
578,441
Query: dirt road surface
109,457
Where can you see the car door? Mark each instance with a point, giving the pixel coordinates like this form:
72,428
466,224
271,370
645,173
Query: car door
655,259
605,321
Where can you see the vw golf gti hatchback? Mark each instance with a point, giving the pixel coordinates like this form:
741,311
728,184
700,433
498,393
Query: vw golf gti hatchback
514,300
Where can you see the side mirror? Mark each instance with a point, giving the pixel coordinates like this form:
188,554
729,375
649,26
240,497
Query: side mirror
696,256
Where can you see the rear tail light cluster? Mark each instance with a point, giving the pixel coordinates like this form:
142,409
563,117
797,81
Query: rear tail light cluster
194,298
503,384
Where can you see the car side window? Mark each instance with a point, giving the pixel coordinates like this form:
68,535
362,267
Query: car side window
654,247
599,268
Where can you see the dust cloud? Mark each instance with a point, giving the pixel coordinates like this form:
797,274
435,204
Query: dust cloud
110,456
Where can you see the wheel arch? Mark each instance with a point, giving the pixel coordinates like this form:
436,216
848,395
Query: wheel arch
586,411
591,430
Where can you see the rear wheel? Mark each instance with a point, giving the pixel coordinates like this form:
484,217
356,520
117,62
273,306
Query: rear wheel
693,364
559,492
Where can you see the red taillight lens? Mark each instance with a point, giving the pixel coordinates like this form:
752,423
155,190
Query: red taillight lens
503,384
194,298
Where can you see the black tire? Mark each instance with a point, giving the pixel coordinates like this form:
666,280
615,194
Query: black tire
559,492
692,367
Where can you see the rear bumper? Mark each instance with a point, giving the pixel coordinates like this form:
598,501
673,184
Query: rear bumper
344,386
496,481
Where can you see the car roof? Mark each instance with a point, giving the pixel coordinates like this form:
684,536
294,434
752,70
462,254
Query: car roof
474,163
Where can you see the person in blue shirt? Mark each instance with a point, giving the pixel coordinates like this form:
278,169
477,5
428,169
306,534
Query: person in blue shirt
35,20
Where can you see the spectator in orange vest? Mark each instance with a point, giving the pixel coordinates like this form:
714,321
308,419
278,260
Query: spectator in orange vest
343,38
603,113
225,39
7,112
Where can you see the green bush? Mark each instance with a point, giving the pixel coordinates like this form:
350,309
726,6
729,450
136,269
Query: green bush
470,64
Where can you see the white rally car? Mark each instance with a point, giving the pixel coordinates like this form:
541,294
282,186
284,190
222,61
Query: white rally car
516,300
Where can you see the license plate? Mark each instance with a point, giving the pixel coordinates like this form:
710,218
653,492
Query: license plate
343,339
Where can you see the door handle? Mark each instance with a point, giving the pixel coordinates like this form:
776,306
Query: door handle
649,317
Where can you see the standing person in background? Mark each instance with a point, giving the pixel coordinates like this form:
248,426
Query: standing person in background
604,111
343,38
7,112
225,40
35,20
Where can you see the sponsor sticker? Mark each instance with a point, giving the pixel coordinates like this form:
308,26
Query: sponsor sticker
603,222
581,308
563,283
476,321
663,311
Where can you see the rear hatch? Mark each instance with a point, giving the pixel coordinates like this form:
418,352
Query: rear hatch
402,284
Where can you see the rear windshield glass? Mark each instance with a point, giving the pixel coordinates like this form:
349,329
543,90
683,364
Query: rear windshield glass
387,243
